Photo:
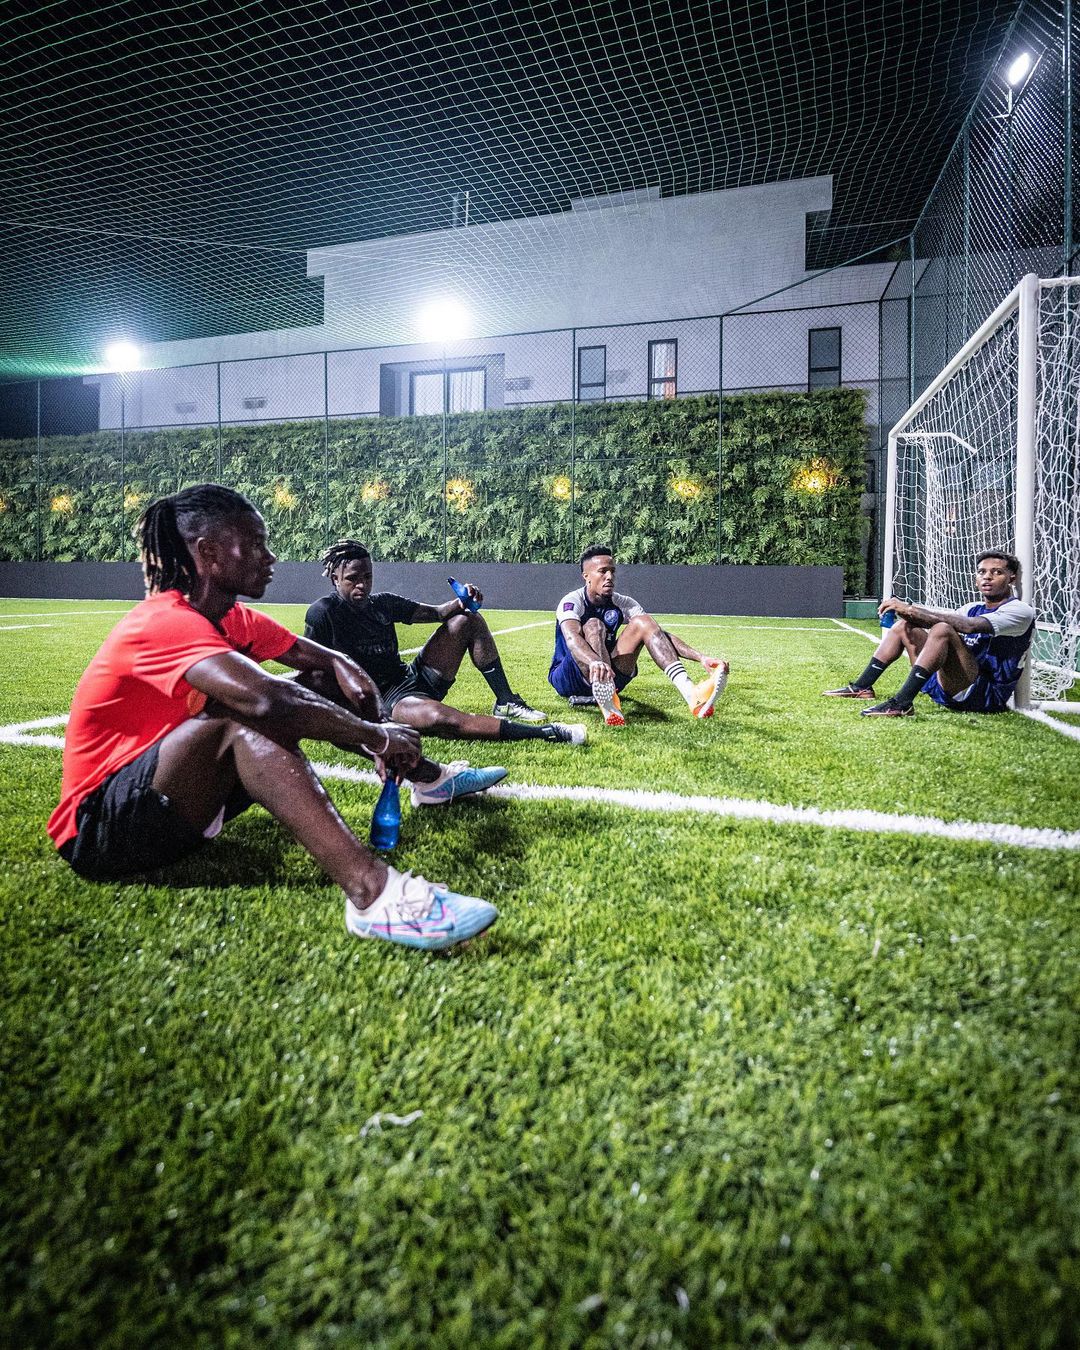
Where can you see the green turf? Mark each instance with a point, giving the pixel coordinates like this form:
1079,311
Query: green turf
705,1083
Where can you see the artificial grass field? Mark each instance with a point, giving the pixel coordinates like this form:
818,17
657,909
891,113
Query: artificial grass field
706,1082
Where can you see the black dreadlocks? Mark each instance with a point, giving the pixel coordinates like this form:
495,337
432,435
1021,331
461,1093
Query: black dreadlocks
344,551
165,527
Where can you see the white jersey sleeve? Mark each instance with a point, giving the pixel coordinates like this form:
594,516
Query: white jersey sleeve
629,606
571,606
1011,619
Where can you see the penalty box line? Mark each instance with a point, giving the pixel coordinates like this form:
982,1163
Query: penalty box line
37,733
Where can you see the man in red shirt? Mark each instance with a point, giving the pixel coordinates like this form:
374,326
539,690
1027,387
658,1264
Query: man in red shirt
175,728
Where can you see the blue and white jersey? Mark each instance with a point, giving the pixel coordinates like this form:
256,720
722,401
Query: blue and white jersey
612,614
1002,653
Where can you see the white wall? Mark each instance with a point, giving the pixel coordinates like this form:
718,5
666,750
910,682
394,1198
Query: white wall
656,264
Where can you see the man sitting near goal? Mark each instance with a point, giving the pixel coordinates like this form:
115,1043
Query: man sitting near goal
969,659
593,661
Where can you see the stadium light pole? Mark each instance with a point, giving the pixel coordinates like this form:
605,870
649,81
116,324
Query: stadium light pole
122,357
444,321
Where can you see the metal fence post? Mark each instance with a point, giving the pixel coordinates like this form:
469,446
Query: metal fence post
966,291
573,444
218,465
123,448
1067,235
911,327
326,448
39,484
720,444
445,399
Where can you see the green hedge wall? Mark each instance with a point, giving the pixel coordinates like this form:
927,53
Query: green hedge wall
510,485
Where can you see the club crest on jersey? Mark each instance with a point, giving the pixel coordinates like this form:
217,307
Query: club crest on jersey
611,617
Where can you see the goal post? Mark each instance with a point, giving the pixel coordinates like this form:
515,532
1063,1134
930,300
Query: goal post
988,456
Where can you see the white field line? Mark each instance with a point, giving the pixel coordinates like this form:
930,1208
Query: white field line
754,627
13,627
64,613
730,808
497,632
1044,719
870,637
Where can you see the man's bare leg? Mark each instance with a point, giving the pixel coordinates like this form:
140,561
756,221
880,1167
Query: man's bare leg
202,760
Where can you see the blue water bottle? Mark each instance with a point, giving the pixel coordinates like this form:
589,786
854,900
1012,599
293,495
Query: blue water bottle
887,620
462,593
386,818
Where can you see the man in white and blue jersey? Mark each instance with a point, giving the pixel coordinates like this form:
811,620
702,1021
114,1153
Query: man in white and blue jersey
969,659
594,660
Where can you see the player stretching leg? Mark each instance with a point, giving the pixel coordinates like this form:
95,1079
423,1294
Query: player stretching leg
361,624
594,661
968,659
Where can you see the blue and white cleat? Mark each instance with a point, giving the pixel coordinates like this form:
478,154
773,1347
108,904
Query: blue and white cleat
459,779
417,913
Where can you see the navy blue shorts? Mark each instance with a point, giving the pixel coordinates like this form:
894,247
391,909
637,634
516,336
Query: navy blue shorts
567,680
984,696
420,682
125,826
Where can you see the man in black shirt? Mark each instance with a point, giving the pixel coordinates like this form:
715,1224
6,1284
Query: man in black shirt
361,624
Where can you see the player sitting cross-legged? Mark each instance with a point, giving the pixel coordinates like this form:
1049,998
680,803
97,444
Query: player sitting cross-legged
593,660
353,620
175,728
968,659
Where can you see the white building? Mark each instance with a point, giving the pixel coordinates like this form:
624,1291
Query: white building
617,298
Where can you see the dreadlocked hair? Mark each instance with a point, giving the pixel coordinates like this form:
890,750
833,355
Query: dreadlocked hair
344,551
164,528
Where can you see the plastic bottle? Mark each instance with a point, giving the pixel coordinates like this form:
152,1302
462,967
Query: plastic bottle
386,818
887,620
462,593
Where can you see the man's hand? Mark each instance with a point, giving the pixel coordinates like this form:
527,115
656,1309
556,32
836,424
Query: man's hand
600,670
900,608
474,595
359,689
714,663
402,751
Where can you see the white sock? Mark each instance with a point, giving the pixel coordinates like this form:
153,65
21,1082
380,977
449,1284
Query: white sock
676,673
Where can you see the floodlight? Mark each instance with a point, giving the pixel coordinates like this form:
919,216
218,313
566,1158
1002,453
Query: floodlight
122,356
1018,70
444,320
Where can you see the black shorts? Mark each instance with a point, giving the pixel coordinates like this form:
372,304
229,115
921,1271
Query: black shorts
125,826
420,682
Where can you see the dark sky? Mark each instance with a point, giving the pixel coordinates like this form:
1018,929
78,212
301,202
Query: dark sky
166,166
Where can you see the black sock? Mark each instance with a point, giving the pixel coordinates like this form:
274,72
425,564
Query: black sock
869,676
496,678
521,731
905,695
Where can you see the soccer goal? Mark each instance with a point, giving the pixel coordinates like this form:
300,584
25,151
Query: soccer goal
989,457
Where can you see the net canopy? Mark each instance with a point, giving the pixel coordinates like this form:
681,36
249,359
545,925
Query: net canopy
168,167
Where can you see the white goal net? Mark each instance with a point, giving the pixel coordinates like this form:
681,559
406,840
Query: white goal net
989,457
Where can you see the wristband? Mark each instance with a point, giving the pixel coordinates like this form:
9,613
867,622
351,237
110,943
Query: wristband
379,753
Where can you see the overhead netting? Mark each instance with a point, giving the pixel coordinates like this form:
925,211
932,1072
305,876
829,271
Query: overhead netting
168,167
956,481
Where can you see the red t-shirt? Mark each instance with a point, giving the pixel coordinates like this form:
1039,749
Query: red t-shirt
134,692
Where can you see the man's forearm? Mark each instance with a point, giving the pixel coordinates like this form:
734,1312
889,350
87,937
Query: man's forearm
920,617
296,713
684,649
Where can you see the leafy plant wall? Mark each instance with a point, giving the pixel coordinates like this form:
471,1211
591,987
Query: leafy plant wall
776,479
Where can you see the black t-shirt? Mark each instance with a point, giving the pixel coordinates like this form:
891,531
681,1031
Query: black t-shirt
363,632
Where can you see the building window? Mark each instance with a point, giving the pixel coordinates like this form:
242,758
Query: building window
436,391
663,368
824,358
592,372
